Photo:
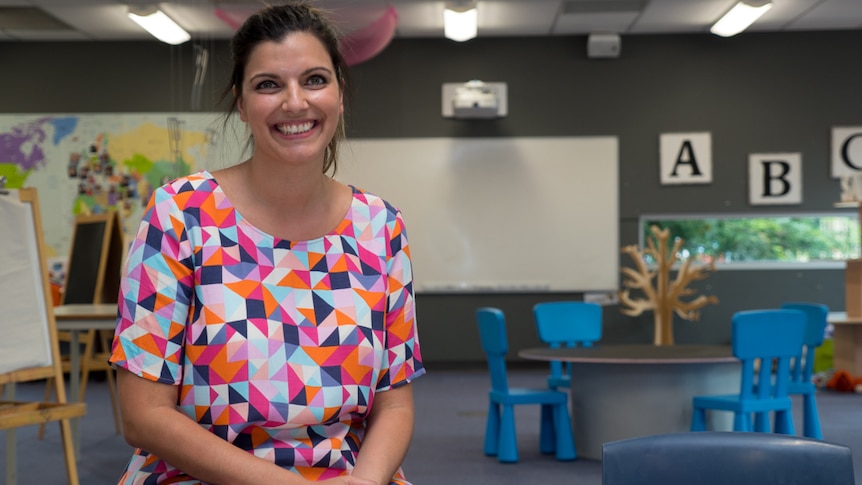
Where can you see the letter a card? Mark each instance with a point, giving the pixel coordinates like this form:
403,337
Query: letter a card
686,158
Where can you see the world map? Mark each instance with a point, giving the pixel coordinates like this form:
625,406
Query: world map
83,164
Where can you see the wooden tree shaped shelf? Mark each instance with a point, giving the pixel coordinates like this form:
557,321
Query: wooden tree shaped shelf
661,295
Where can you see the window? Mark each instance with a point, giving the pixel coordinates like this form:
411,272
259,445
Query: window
763,241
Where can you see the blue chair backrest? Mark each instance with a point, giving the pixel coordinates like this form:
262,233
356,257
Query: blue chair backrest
815,329
492,333
766,336
568,323
722,457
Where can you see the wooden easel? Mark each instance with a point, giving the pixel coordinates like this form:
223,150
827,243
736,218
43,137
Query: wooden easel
93,276
15,414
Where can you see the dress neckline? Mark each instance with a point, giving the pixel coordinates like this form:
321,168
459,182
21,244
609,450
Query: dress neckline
240,220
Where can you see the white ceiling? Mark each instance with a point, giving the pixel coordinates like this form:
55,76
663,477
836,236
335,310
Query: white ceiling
105,20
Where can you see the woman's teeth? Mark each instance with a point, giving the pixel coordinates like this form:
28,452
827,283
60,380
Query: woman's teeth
295,129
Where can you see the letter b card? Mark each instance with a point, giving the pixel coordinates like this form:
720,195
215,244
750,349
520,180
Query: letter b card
774,178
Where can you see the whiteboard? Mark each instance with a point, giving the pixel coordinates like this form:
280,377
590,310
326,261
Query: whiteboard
26,341
499,214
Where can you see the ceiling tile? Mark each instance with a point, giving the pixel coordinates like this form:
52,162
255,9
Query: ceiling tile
29,18
45,35
595,22
830,14
499,18
674,16
419,19
105,22
197,19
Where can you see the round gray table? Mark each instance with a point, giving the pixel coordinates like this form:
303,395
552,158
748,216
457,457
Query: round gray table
625,391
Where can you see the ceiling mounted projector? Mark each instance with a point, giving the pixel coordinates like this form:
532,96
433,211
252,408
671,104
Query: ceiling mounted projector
474,100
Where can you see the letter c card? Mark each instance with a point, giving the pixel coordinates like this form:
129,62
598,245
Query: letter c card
846,151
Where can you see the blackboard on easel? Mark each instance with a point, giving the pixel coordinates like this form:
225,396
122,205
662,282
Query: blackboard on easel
95,260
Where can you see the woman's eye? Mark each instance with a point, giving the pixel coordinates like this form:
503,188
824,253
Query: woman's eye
317,80
266,85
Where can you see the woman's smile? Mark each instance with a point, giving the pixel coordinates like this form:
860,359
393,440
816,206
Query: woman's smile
295,128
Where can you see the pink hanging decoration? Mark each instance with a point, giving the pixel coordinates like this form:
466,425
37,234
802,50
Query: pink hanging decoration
356,47
233,18
365,43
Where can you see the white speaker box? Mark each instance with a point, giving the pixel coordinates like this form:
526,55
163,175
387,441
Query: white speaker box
603,46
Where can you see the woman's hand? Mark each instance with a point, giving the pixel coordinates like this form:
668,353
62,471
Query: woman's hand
387,436
346,480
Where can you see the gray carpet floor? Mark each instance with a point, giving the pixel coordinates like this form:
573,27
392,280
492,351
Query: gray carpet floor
451,407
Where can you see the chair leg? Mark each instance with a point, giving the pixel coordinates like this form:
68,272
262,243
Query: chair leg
784,422
565,438
492,430
547,435
741,422
508,449
761,422
698,419
104,339
86,361
810,417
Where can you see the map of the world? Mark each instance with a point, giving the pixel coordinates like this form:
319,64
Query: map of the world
92,163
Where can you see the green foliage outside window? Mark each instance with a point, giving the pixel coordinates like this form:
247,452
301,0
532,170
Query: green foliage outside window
763,239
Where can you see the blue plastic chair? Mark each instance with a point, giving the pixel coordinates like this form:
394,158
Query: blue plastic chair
567,324
764,341
803,365
555,435
720,458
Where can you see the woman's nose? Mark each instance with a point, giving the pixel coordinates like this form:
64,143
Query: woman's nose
294,99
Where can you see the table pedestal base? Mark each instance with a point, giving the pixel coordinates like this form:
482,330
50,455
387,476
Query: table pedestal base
612,402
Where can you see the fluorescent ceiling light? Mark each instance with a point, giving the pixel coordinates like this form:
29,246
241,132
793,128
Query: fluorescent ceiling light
740,17
460,24
159,25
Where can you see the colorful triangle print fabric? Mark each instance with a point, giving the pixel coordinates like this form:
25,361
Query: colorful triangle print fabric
277,346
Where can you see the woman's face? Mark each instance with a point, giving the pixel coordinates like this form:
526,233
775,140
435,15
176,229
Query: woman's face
291,99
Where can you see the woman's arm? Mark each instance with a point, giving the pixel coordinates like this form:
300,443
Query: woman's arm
152,422
387,436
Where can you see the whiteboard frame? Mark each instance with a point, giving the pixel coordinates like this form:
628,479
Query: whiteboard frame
515,215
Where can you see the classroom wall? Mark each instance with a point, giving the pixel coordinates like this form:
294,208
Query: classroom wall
777,92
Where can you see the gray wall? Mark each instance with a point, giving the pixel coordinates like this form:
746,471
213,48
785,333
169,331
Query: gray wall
779,92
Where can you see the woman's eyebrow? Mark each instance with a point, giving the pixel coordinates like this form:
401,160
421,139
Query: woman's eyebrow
303,73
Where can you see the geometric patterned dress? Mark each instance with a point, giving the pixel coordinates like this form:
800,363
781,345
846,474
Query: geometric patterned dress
276,346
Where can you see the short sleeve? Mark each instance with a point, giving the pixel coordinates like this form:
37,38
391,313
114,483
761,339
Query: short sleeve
156,289
403,358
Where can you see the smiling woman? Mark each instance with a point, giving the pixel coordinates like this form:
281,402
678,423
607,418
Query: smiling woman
267,310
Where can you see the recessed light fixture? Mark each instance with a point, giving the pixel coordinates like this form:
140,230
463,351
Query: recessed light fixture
158,24
740,17
460,21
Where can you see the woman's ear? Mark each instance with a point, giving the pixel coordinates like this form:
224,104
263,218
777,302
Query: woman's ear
341,99
239,104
